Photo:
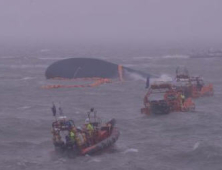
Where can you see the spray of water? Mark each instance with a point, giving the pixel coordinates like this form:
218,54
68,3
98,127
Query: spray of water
162,78
136,77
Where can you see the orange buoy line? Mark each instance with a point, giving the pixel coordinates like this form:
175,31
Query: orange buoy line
76,79
97,82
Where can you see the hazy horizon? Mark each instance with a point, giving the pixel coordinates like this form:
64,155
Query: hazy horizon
153,22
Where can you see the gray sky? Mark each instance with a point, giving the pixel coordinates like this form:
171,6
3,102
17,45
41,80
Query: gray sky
157,21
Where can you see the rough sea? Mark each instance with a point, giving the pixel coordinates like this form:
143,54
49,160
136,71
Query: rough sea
177,141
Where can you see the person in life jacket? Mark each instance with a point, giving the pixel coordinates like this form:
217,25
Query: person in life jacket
199,84
89,126
72,136
109,127
56,136
182,99
80,138
91,111
70,139
89,131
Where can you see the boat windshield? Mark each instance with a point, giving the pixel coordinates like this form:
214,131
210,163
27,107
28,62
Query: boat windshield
156,96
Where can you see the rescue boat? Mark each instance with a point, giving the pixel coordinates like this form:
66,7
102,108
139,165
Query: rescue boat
162,98
199,89
103,137
191,86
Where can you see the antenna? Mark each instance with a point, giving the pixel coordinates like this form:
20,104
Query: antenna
60,110
54,110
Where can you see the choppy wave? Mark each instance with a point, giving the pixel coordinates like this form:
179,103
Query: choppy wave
24,107
44,50
196,145
177,56
143,57
7,57
21,143
175,141
50,58
94,160
129,65
23,66
131,150
27,78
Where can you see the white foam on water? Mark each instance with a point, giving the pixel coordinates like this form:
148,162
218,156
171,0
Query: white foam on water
142,58
50,58
77,112
27,78
7,57
162,78
61,160
24,66
176,56
21,163
94,160
131,150
44,50
196,145
24,107
129,65
136,77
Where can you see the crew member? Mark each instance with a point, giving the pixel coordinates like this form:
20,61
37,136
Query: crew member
56,136
89,131
72,137
89,126
182,97
80,138
182,100
92,110
199,85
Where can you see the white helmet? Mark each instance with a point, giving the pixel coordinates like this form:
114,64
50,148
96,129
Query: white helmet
79,128
87,120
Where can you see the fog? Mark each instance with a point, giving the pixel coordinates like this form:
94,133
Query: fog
99,21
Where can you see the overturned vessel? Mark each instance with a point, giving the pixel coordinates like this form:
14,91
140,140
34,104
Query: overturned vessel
87,72
72,68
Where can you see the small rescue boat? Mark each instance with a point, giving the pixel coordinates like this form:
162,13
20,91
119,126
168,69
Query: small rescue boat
199,89
107,136
78,141
162,98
